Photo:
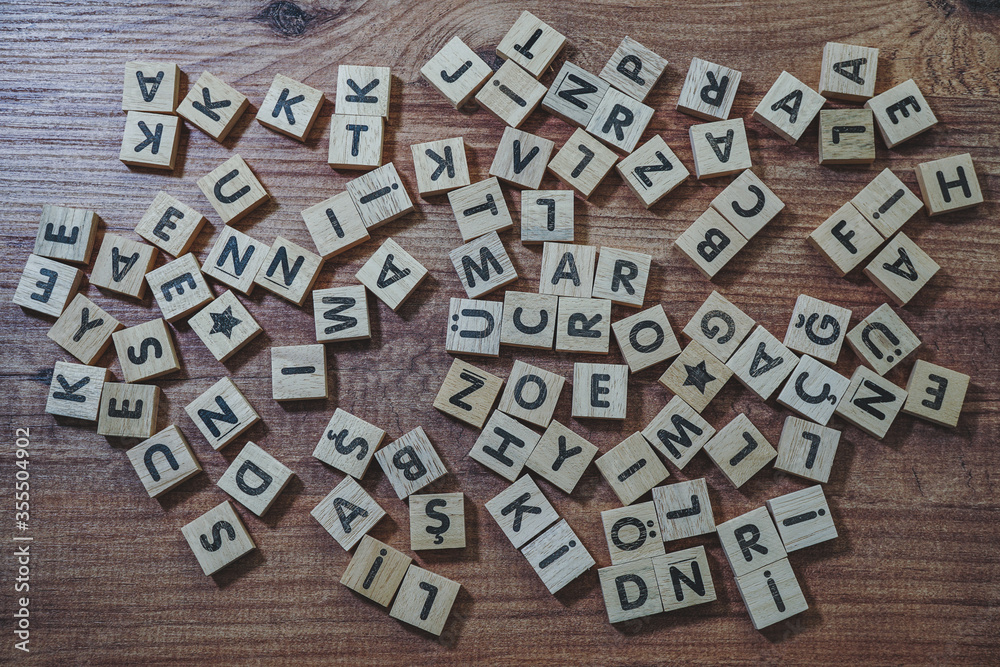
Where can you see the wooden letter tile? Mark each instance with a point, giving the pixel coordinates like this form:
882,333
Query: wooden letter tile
66,234
845,239
574,95
440,166
483,265
213,106
887,203
807,449
298,372
179,288
848,71
480,208
771,594
164,461
437,521
529,320
567,269
600,391
391,274
678,432
255,479
425,600
170,225
561,456
153,87
85,330
511,94
522,511
652,171
457,72
633,533
222,413
620,120
949,184
762,363
719,326
504,446
547,215
363,90
720,148
290,107
710,242
348,513
474,327
531,43
531,394
751,542
233,190
218,537
789,107
583,325
740,450
128,410
410,463
813,390
376,571
634,69
630,590
846,136
871,402
747,204
708,91
582,163
645,338
150,140
631,468
558,556
817,328
684,578
341,314
684,509
901,113
335,225
901,269
935,393
380,196
696,376
803,518
75,391
146,351
289,270
348,443
468,393
235,259
224,326
355,142
122,264
521,159
621,276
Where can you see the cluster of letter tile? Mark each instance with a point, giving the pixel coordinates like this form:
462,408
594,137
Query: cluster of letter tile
571,313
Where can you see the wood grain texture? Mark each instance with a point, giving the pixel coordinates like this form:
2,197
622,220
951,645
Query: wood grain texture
912,576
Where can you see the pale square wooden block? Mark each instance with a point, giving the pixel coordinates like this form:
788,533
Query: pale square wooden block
222,413
871,402
646,338
547,215
567,270
901,269
235,259
164,461
887,203
410,463
935,393
710,242
391,274
380,196
531,394
561,456
480,208
813,390
633,533
213,106
128,410
66,234
170,225
751,542
631,468
522,511
846,136
298,372
225,326
299,269
218,538
771,594
684,509
558,556
634,69
689,577
425,600
817,328
762,363
748,213
621,276
901,113
456,71
740,450
696,376
574,95
789,107
511,94
437,521
150,140
521,159
652,171
474,327
347,513
152,87
600,391
504,445
75,391
848,71
348,443
806,449
949,184
356,142
720,148
845,239
85,330
122,264
376,571
290,107
630,590
468,393
179,287
531,43
582,163
341,314
529,320
708,91
803,518
146,351
363,90
677,432
441,166
583,325
233,190
255,479
719,326
620,120
335,225
483,265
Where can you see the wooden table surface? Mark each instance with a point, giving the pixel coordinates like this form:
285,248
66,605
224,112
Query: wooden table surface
913,575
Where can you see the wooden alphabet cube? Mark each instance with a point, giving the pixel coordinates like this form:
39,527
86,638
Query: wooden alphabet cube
164,461
218,538
740,450
341,314
813,390
574,95
356,142
633,533
474,327
290,107
846,136
708,91
710,242
901,269
807,449
630,590
511,94
901,113
583,325
817,328
620,120
677,432
689,577
363,90
848,71
788,108
684,509
425,600
75,391
600,391
720,148
410,463
803,518
468,393
150,140
255,478
646,338
531,43
652,171
529,320
233,190
522,511
66,234
146,351
457,72
942,195
696,376
298,373
633,69
213,106
547,215
561,456
179,288
152,87
762,363
531,394
480,208
335,225
751,542
504,446
348,443
582,163
437,521
567,270
440,166
380,196
122,264
128,410
376,571
934,393
748,213
299,269
225,326
222,413
719,326
887,203
170,225
85,330
483,265
845,239
771,594
235,259
621,276
631,468
391,274
521,159
558,556
871,402
348,513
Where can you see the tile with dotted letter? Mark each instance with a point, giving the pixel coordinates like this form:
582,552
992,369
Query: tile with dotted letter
788,108
456,71
474,327
803,518
901,113
901,269
146,351
480,208
684,509
152,87
871,402
740,450
710,242
425,600
750,542
335,225
677,432
347,513
600,391
583,325
233,190
441,166
122,264
574,95
504,446
646,338
522,511
179,287
255,479
341,314
164,461
483,265
531,43
511,94
771,594
298,373
630,590
170,225
708,91
652,171
363,90
348,443
561,456
747,204
356,142
468,393
719,326
290,107
845,239
846,136
150,140
582,163
235,259
66,234
817,328
531,394
621,276
567,270
225,326
949,184
633,69
213,106
696,376
392,274
848,71
684,578
222,413
410,463
762,363
376,571
631,468
807,449
529,320
935,393
75,391
720,148
289,270
218,538
380,196
84,330
887,203
547,215
632,532
813,390
521,158
128,410
558,556
620,120
437,521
